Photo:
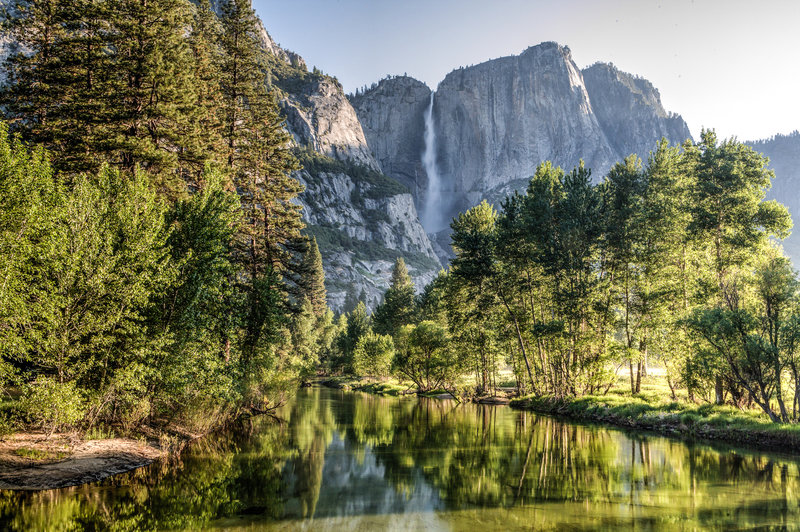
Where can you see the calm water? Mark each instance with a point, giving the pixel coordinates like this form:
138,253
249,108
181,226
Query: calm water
350,461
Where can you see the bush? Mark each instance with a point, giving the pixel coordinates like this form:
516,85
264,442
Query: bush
52,405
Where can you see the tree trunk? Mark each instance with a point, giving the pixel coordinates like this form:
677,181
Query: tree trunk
638,377
630,370
719,390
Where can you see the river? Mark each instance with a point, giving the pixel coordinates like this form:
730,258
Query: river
351,461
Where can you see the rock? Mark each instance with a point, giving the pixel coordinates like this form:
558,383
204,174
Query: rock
392,117
363,220
629,110
496,121
361,230
319,116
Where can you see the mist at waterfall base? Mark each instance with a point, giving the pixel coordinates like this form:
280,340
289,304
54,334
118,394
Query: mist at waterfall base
433,217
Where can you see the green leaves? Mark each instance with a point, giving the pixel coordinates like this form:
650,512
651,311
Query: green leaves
398,307
373,355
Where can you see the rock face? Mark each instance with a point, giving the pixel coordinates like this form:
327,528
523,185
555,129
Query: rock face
496,121
362,219
629,110
361,228
319,116
392,117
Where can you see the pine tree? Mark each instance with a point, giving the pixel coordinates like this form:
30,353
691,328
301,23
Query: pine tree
205,42
398,307
313,279
108,82
258,149
155,121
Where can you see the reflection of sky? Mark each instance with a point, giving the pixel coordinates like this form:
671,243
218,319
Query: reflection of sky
355,489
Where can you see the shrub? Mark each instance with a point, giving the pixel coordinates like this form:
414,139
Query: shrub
52,405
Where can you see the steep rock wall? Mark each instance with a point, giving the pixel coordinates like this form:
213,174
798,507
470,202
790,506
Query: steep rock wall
629,110
392,117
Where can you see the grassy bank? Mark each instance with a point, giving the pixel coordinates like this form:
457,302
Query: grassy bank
676,418
377,387
397,387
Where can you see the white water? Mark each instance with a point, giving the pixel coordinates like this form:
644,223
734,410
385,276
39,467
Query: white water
432,216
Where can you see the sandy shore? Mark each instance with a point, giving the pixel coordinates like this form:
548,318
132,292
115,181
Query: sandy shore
28,461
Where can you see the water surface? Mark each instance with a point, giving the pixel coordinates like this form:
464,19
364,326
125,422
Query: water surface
351,461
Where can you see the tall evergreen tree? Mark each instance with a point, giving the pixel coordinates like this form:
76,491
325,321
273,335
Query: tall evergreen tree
258,149
312,281
109,81
398,307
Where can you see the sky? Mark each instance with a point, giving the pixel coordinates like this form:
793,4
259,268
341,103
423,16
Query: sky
730,65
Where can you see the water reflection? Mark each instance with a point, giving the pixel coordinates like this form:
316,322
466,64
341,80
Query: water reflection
352,461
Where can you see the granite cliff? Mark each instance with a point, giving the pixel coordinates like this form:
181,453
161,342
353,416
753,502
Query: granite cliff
496,121
629,111
392,118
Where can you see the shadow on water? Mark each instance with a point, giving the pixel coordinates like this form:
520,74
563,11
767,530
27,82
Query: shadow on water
346,460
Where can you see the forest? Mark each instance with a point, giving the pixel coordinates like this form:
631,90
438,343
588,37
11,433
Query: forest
674,263
155,269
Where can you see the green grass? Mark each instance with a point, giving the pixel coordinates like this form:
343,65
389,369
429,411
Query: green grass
378,387
38,454
382,388
99,433
652,409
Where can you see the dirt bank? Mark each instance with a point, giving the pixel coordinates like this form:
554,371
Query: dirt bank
28,461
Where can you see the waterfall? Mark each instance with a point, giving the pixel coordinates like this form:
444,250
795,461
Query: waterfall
432,216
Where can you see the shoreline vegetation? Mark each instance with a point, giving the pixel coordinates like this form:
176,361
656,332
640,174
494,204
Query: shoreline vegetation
30,461
704,422
643,412
157,279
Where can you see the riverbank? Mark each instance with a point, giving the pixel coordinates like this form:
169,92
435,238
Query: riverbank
642,412
29,461
721,423
394,387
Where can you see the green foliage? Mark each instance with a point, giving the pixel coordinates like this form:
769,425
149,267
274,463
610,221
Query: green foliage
659,262
108,82
398,307
158,269
356,325
375,184
312,282
372,356
423,355
52,405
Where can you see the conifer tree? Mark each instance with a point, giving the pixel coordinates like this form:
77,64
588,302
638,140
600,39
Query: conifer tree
108,82
258,149
313,279
398,307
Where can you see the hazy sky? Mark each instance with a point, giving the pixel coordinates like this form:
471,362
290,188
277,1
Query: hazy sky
731,65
